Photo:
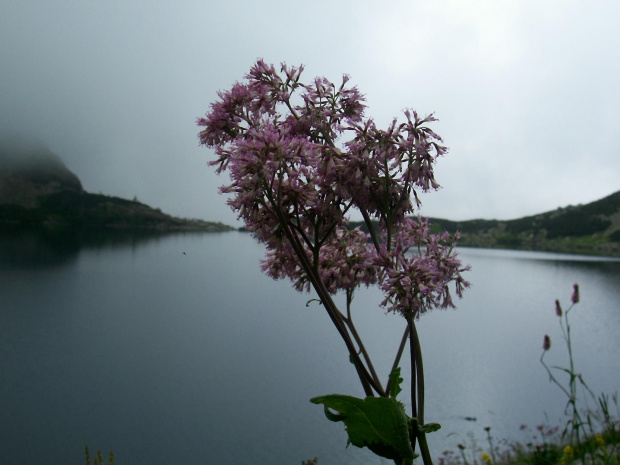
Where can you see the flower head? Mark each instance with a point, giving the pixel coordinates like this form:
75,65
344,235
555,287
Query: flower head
575,297
546,343
417,270
558,308
294,176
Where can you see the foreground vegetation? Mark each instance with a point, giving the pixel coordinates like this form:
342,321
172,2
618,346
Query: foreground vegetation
591,434
543,445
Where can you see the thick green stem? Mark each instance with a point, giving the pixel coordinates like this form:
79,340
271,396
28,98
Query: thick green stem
419,371
417,393
414,401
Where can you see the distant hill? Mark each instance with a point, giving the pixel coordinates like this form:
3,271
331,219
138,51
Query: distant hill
36,188
593,228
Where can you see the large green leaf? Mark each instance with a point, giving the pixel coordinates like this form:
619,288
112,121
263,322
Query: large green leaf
378,423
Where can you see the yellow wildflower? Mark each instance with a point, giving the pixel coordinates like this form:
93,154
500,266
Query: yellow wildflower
568,456
600,441
486,458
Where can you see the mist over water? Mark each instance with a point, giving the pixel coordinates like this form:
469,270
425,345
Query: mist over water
176,349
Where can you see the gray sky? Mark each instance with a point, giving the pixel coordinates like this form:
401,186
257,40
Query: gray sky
527,92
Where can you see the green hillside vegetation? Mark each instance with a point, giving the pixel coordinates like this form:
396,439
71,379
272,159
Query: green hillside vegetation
591,229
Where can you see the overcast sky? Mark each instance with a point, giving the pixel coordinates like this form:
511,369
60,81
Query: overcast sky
527,92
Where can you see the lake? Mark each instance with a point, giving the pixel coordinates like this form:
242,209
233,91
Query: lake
177,350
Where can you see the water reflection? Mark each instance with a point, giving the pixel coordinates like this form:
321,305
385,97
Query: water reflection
33,248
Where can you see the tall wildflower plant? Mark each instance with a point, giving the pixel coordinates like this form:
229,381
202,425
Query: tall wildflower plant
586,431
574,428
301,157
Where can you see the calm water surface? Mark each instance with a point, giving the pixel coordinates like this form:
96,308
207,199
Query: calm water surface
177,350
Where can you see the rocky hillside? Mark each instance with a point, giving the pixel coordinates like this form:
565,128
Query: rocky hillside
36,188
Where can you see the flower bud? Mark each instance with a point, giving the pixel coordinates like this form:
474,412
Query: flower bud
558,309
547,342
575,297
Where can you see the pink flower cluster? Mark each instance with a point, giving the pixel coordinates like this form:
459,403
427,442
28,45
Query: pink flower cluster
418,268
301,157
344,263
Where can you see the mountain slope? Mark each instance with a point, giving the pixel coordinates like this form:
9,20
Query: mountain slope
36,188
593,228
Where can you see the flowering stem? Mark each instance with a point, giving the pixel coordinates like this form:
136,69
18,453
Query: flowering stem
371,229
349,322
399,354
572,398
419,369
368,383
575,423
414,410
293,180
553,378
